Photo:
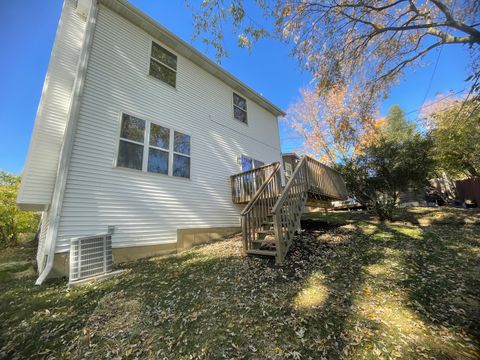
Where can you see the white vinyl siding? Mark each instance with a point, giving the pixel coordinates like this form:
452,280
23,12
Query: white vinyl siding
39,174
146,208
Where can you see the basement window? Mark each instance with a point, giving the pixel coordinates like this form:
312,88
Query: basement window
239,108
150,147
163,65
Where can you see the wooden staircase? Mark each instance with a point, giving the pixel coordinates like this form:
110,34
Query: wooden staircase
272,216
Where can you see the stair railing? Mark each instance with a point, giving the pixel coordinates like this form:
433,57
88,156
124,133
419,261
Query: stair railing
288,209
258,210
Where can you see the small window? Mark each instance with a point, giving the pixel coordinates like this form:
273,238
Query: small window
288,169
239,108
130,150
165,151
181,155
163,65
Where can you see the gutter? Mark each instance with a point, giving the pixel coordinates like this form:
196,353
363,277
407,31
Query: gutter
65,154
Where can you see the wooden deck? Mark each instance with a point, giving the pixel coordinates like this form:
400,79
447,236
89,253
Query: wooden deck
272,214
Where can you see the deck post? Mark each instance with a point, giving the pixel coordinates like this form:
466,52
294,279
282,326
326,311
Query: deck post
278,239
244,234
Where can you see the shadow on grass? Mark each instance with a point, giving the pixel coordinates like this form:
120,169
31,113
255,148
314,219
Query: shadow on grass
211,302
441,276
200,305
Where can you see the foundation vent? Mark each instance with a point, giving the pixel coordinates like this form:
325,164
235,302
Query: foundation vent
90,256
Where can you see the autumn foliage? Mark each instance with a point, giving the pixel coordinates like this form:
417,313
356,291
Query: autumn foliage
334,125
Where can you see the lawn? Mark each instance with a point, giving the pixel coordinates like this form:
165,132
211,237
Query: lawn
351,288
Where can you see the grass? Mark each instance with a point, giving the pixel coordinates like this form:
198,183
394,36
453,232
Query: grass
351,288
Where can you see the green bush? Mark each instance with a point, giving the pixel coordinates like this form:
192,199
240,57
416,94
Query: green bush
386,168
15,224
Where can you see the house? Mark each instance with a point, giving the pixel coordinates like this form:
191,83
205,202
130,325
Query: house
138,132
143,146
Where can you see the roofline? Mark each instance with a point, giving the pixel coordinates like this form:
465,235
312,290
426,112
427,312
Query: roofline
145,22
291,154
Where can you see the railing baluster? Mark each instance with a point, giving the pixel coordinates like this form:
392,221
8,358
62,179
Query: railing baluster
262,188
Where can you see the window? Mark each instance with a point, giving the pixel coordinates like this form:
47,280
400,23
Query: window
130,149
288,169
147,146
248,163
158,149
181,155
163,65
239,108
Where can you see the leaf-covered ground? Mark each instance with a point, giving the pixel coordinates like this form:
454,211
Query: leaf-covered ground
351,288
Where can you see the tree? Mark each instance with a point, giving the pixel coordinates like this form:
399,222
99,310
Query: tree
386,167
397,126
332,123
13,221
455,130
368,43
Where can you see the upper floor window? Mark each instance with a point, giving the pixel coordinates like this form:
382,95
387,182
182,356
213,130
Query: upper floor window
163,65
239,108
147,146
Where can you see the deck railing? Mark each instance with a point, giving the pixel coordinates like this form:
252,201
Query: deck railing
325,181
259,209
271,205
246,184
310,176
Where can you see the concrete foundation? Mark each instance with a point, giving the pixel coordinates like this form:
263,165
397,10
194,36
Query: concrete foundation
186,238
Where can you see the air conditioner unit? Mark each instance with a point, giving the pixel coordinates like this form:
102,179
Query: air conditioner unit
90,256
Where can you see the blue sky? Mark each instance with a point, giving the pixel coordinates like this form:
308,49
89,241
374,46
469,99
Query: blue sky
27,30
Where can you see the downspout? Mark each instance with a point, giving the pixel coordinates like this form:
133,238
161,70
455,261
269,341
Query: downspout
65,154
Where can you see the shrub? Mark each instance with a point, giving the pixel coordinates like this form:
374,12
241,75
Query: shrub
13,222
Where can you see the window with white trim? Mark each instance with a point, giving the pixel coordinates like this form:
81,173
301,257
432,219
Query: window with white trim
158,149
132,138
239,108
181,155
248,163
147,146
163,65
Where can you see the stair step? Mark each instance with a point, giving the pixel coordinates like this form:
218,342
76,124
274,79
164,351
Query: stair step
264,244
262,252
264,241
266,235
